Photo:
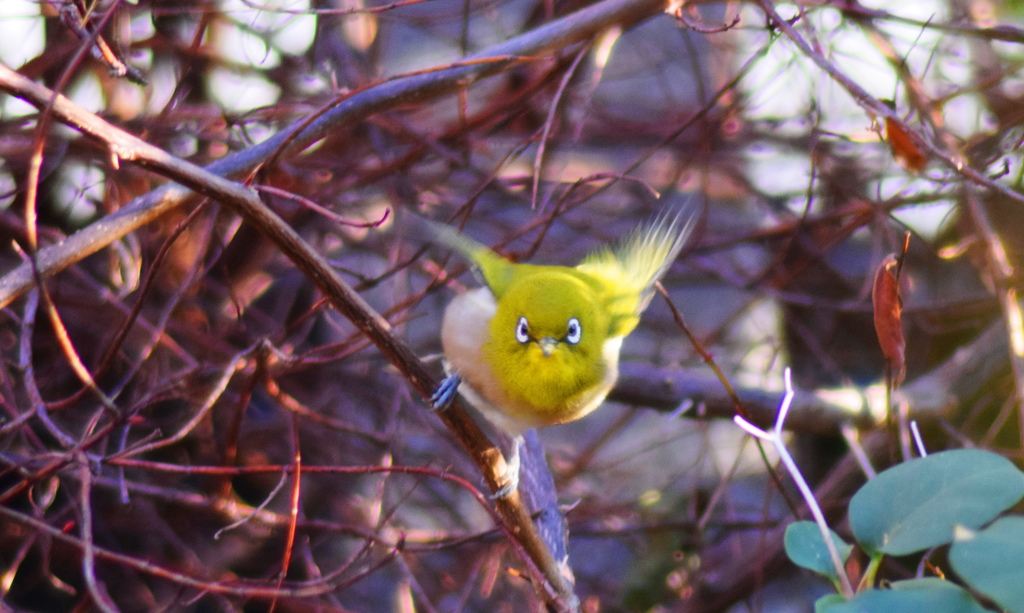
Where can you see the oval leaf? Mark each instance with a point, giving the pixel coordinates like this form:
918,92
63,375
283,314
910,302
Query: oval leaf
993,562
915,505
822,604
806,548
929,595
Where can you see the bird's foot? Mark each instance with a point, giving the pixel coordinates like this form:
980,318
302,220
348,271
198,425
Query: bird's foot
446,391
512,465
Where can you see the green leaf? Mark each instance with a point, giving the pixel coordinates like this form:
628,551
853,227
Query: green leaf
806,548
915,505
929,595
822,604
992,561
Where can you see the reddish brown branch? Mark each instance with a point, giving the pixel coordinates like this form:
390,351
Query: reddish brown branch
349,303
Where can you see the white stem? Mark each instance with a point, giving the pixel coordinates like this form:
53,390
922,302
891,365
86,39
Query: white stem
775,438
918,441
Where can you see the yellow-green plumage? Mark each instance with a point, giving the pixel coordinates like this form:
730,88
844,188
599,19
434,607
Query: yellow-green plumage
539,345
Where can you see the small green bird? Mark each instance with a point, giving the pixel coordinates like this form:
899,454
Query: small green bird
539,345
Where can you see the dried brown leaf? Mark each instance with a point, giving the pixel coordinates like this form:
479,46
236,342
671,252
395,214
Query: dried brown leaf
903,148
888,308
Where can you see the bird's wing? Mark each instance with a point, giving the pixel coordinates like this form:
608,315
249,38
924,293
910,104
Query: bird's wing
493,270
627,271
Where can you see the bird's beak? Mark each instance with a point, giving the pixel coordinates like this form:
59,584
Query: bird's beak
547,345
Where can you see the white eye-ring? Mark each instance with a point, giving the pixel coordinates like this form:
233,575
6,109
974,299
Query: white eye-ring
573,332
523,330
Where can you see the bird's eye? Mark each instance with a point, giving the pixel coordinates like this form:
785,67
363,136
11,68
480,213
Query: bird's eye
523,330
573,332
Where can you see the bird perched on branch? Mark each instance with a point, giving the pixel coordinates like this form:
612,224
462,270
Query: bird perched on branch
538,345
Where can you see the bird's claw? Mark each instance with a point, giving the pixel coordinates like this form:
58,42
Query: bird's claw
512,465
445,394
442,399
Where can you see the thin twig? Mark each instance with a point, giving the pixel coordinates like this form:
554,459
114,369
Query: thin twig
878,109
737,405
538,161
99,595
